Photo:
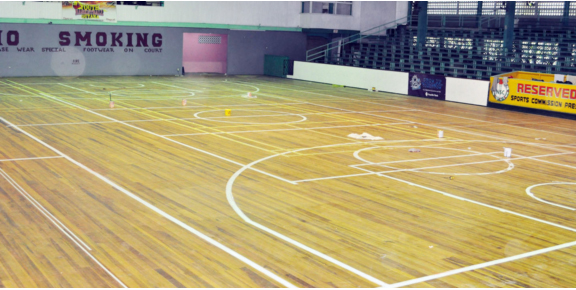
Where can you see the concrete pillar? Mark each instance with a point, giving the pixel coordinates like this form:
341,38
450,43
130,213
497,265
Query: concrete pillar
509,24
479,14
422,22
565,17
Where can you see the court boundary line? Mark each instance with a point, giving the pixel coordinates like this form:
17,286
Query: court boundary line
380,97
67,232
529,192
186,107
152,133
288,129
232,202
482,265
412,160
164,214
29,158
421,168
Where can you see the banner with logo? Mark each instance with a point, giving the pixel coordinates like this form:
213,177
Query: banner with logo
89,10
427,86
541,93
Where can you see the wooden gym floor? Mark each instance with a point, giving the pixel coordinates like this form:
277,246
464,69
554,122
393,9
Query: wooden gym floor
152,193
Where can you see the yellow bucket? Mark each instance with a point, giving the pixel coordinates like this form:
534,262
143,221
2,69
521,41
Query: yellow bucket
227,112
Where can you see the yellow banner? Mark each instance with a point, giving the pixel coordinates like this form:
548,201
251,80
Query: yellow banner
538,92
89,10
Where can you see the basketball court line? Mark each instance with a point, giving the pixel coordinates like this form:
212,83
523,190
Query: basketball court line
162,213
529,192
177,87
186,107
421,186
546,161
277,130
29,158
57,223
150,132
76,89
544,146
411,160
421,168
482,265
149,205
423,111
518,142
502,124
231,200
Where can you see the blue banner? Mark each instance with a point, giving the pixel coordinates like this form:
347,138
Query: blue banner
427,86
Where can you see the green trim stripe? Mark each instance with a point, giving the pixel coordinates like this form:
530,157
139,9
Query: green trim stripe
149,24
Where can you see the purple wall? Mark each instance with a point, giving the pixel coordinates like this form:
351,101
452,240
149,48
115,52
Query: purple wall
204,57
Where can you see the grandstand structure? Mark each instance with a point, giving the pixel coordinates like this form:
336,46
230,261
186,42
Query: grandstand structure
466,40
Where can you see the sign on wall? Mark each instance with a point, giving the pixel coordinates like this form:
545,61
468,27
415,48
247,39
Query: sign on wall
533,94
89,10
81,50
427,86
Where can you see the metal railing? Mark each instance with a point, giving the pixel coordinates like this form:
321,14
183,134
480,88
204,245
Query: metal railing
325,50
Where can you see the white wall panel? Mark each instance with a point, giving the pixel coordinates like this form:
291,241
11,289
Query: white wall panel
387,81
467,91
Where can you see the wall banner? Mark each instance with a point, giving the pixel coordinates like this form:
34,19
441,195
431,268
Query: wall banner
427,86
89,10
533,94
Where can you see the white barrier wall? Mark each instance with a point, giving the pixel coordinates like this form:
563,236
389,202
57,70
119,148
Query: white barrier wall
467,91
382,80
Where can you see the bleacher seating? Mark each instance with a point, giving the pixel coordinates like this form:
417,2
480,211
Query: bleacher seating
464,52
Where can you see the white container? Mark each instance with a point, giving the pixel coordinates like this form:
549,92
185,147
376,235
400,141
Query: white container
440,134
507,152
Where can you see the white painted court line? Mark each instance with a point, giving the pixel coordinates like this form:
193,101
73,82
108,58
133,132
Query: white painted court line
478,120
158,135
29,158
165,138
232,202
77,89
422,168
500,138
246,84
66,231
203,106
187,89
479,203
546,161
224,119
502,123
414,160
162,213
482,265
368,114
529,192
276,130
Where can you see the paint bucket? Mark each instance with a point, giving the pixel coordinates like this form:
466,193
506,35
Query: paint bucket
227,112
507,152
440,134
